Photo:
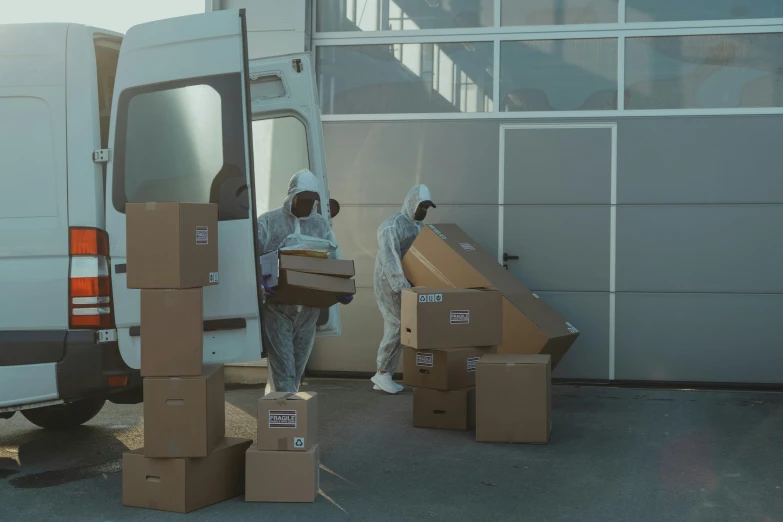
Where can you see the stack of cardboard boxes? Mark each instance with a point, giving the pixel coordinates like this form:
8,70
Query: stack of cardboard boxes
187,462
512,385
445,332
283,466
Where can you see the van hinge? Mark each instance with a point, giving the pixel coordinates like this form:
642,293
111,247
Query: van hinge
101,155
107,336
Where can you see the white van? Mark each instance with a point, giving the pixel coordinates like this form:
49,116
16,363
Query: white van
91,120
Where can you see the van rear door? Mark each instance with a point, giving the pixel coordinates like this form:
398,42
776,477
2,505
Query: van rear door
180,131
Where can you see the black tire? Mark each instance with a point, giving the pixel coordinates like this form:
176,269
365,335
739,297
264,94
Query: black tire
64,416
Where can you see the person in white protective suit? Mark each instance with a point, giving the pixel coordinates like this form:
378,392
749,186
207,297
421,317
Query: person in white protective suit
289,330
395,237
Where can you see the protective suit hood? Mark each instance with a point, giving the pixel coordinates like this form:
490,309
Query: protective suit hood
302,181
415,196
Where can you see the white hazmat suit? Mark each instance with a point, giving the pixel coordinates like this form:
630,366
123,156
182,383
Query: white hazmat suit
395,237
290,329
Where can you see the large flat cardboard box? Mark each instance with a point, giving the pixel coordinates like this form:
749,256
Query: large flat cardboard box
282,476
441,369
184,485
445,256
171,245
446,410
287,421
513,398
184,416
172,326
316,290
451,318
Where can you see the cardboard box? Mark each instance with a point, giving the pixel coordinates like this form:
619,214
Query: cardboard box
446,410
172,326
451,318
171,245
287,421
513,398
441,369
445,256
282,476
304,280
184,416
184,485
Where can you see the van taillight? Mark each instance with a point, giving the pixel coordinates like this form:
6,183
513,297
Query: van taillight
90,303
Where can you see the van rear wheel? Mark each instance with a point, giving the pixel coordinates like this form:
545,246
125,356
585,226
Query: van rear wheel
64,416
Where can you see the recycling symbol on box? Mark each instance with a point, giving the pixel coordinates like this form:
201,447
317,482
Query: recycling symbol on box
423,298
299,442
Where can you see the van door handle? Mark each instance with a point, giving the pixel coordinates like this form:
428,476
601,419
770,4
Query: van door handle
507,257
120,268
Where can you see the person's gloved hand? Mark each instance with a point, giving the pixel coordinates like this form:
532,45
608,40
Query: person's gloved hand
269,291
344,299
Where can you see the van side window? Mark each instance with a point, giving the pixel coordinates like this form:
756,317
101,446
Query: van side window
107,53
182,141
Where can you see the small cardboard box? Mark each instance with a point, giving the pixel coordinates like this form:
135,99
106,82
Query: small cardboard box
172,326
445,256
513,398
171,245
304,280
184,485
442,369
451,318
446,410
184,416
287,421
282,476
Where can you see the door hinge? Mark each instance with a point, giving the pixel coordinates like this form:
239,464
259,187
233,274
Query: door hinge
101,155
107,336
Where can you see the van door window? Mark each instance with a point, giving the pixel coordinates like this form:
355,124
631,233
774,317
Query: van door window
107,53
280,151
182,141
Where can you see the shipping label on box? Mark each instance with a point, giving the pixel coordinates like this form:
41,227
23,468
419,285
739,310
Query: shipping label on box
451,318
287,421
441,369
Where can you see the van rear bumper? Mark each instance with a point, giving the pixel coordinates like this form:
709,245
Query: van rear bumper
86,368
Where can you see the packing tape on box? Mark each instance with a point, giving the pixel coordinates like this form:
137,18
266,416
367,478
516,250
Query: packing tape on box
174,383
437,273
282,444
150,206
174,450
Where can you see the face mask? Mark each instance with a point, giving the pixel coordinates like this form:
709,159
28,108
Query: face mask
302,207
421,213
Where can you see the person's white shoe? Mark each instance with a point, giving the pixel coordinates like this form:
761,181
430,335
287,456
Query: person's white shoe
384,382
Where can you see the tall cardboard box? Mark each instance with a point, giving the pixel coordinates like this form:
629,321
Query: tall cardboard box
441,369
281,476
287,421
451,318
184,416
513,398
171,245
445,256
172,340
184,485
446,410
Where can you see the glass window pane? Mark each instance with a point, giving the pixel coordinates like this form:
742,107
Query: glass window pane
403,15
558,12
279,152
687,10
406,78
558,75
163,163
706,71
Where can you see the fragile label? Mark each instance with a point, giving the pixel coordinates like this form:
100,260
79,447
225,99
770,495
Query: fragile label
202,235
282,418
467,247
299,442
571,328
213,277
459,317
472,362
431,298
438,232
424,359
